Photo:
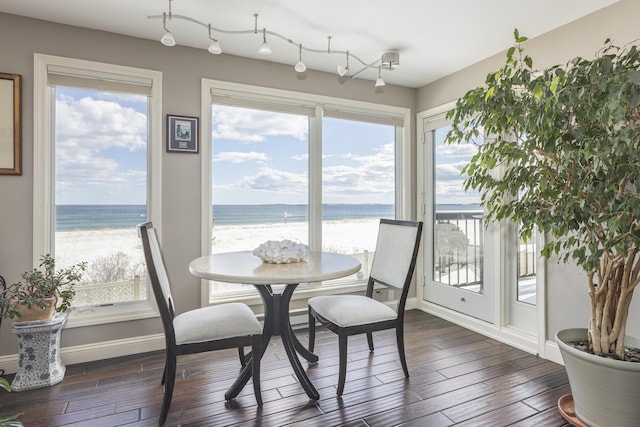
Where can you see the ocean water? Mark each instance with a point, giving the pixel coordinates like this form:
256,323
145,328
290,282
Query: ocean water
86,217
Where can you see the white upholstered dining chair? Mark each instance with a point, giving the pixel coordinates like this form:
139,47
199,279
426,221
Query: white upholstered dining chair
393,265
224,326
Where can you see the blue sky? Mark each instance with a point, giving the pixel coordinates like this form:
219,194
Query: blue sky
449,161
262,157
100,147
258,156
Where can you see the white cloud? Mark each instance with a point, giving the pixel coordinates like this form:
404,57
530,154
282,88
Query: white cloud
273,180
450,171
306,156
373,175
457,150
241,157
91,124
254,125
89,134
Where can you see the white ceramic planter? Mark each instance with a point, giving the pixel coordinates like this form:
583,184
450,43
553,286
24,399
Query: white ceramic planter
605,391
39,363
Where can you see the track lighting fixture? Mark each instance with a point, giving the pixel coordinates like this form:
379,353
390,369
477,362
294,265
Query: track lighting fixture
214,47
300,66
167,38
264,49
388,61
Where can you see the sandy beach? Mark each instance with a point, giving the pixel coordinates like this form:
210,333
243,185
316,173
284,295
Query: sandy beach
344,236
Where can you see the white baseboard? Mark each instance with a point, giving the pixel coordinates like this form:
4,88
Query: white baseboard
507,335
96,351
135,345
553,352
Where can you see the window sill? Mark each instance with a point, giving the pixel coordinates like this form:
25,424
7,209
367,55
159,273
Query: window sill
100,315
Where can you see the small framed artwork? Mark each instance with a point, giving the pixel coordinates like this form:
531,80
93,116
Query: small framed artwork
10,125
182,134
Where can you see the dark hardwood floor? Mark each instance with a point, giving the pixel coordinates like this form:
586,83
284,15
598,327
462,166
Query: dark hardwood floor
458,377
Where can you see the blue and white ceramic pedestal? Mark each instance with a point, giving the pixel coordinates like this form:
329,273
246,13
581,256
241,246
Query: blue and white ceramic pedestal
39,363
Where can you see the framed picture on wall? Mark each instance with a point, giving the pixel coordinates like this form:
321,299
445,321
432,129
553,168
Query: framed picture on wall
182,134
10,125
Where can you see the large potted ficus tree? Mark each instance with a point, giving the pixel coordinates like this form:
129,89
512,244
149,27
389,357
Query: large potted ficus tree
560,151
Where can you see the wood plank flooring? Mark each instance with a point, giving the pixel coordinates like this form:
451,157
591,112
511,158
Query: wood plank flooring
458,377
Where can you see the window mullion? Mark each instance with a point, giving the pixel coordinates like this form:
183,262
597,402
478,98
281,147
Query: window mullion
315,180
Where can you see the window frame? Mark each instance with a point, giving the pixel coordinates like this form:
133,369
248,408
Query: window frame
44,173
403,184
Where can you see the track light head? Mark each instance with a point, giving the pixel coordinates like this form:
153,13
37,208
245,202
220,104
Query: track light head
300,66
264,49
168,39
215,48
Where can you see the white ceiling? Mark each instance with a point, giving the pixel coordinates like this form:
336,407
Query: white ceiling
434,37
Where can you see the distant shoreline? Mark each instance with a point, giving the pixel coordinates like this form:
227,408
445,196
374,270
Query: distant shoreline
99,217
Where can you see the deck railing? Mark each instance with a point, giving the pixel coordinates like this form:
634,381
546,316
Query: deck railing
459,248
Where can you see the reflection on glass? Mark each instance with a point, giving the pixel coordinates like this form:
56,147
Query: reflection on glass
458,228
527,269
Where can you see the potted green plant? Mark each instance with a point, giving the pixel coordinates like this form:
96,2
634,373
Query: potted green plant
41,292
563,155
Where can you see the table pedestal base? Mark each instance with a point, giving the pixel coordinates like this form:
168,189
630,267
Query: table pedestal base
39,363
276,322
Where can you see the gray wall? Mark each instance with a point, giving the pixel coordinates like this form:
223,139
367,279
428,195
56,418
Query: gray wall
567,301
182,70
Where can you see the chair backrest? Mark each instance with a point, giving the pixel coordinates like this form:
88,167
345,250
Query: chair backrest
158,278
396,255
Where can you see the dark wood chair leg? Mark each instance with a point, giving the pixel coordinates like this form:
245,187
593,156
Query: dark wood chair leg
370,340
170,378
312,331
243,360
400,341
255,367
342,375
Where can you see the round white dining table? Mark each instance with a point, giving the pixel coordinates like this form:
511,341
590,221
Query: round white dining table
246,268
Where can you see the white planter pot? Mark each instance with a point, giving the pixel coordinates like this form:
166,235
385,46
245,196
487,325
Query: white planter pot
605,391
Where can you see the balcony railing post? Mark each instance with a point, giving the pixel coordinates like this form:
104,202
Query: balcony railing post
137,290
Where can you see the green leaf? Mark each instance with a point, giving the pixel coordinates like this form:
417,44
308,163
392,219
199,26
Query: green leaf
537,91
634,76
489,93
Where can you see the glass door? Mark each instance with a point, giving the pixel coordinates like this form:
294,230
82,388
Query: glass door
457,259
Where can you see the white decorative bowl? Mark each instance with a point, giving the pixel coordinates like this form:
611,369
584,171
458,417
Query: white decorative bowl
281,252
